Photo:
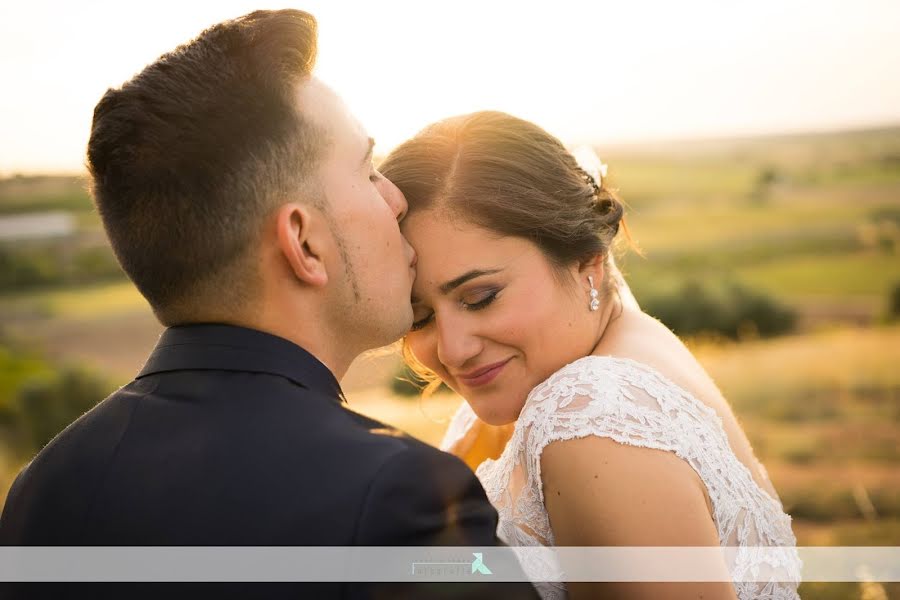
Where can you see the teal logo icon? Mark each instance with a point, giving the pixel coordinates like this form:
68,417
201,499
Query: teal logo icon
479,566
454,568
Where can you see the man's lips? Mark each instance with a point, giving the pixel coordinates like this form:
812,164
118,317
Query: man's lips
412,266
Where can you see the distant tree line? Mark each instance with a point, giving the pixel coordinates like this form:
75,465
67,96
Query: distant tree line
26,266
729,310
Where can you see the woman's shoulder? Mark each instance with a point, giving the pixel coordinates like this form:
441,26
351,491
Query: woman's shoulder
641,362
595,378
619,412
610,393
623,350
643,339
639,384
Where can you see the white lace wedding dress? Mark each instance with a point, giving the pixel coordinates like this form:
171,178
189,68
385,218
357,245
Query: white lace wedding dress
633,404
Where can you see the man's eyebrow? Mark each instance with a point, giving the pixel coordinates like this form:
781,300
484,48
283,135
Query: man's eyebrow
368,157
455,283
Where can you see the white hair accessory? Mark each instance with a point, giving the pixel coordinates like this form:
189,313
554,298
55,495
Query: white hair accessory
590,163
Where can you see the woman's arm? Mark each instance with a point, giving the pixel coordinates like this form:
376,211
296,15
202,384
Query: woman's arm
599,492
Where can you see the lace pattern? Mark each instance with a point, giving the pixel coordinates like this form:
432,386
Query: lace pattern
632,403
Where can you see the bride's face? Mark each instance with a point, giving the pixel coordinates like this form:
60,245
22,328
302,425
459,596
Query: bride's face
491,317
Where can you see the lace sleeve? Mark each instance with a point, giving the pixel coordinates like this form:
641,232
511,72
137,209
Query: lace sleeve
633,404
597,396
585,399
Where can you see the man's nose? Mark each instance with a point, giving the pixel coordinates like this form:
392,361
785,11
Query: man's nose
394,197
456,343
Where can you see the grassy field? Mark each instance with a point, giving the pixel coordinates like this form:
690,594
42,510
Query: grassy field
86,303
813,221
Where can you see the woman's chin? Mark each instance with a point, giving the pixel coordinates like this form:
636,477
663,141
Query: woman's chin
495,415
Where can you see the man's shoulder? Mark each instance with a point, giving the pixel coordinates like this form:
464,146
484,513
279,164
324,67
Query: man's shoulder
95,433
394,454
417,494
385,443
57,483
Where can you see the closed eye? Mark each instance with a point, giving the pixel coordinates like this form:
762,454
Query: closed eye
471,306
417,325
483,303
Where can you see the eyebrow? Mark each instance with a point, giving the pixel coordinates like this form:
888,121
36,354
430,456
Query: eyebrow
455,283
368,156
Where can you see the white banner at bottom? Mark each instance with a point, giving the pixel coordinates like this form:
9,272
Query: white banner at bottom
451,564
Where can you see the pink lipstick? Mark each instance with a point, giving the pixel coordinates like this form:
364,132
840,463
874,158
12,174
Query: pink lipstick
483,375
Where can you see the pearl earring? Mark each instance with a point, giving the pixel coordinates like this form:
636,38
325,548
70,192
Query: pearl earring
595,303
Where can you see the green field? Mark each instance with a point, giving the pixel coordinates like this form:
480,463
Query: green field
101,300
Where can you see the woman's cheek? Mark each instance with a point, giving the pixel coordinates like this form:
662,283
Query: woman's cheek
423,349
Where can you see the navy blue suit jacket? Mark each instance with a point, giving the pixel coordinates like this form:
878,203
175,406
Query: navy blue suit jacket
234,437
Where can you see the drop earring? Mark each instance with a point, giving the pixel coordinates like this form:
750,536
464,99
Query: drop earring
595,303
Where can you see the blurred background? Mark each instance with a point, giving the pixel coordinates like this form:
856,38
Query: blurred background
757,147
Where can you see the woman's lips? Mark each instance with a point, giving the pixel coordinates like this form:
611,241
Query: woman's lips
483,375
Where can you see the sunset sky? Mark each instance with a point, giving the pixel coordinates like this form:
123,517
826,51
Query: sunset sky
601,72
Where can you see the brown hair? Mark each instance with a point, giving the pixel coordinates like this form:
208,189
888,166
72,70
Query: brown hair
192,153
511,177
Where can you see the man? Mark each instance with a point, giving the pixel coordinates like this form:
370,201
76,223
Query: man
239,195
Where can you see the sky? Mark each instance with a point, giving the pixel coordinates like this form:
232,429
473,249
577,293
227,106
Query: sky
590,72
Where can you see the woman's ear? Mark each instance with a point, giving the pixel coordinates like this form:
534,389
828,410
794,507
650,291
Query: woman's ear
301,239
594,267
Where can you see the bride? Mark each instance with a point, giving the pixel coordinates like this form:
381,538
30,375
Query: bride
611,432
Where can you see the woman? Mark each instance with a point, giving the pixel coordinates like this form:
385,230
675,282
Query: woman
618,436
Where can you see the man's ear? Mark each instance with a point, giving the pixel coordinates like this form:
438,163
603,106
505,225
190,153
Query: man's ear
301,237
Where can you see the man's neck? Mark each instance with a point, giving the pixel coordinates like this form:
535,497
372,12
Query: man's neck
324,345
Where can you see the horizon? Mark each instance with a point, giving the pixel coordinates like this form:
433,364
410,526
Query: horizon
657,74
637,146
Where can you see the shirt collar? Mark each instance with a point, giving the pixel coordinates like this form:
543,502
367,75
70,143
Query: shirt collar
232,348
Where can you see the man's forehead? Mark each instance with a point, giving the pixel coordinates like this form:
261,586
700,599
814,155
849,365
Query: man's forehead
325,108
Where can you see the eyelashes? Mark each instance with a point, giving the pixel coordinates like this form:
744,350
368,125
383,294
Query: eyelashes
417,325
484,302
474,306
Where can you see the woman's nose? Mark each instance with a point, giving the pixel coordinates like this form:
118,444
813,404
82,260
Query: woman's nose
456,344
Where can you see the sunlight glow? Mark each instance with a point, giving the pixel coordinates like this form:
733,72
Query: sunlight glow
598,72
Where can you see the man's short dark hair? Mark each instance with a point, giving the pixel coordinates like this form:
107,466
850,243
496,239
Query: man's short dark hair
192,153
